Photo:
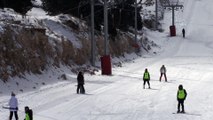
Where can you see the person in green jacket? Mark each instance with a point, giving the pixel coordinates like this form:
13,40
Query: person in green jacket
29,113
181,96
27,117
146,78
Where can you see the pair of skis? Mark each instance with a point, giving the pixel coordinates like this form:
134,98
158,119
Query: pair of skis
187,113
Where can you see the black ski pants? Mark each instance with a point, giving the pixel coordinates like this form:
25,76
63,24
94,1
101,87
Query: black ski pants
181,103
163,74
144,83
81,88
11,115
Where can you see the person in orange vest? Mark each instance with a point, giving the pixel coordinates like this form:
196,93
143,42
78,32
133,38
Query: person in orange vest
181,96
146,78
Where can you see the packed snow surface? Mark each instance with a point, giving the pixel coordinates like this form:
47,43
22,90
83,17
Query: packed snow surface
189,61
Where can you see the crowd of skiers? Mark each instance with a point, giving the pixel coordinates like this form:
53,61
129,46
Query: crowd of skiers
181,94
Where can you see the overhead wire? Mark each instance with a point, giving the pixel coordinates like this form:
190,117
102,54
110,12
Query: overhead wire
98,11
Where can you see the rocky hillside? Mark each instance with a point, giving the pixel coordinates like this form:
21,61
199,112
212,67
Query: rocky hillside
32,45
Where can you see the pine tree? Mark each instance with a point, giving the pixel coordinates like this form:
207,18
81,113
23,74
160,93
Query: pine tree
51,6
20,6
54,7
1,3
120,16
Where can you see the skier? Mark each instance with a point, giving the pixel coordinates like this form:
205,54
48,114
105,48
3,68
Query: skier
163,72
146,78
183,32
13,106
80,80
29,113
181,96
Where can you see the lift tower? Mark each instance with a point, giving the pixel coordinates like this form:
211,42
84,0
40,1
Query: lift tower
173,7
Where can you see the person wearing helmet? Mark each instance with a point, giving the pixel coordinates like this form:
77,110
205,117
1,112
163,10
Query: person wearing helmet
146,78
181,96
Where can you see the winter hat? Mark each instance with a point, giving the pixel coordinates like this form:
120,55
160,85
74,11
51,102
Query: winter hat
26,108
13,94
180,87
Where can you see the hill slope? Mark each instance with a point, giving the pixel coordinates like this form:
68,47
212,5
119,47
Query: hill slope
121,96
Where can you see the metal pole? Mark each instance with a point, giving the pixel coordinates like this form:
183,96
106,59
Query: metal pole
93,44
105,28
136,25
156,14
173,15
173,11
